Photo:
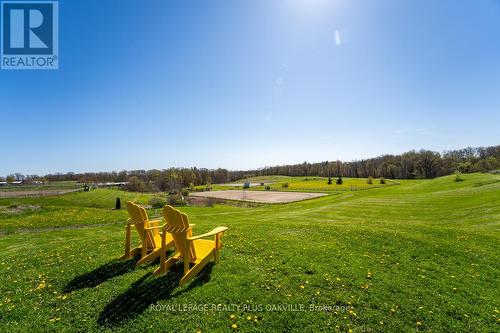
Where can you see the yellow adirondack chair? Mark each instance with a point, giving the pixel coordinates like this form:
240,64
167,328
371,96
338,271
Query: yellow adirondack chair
193,250
149,233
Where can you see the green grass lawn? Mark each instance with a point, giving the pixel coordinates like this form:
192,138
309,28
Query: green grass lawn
320,184
74,209
420,256
306,184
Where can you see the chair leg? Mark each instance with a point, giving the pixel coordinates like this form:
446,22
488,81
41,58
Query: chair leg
186,265
132,253
163,256
136,251
127,254
150,257
196,269
218,245
165,266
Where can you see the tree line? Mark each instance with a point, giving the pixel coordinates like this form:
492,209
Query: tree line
410,165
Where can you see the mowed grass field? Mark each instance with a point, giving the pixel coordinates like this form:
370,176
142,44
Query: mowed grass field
420,256
320,184
70,210
306,184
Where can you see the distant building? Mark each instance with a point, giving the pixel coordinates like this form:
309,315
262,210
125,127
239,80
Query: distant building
111,184
16,182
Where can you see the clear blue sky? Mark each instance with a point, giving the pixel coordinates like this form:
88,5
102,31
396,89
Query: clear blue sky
245,84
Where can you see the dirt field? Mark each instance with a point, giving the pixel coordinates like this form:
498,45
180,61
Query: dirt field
258,196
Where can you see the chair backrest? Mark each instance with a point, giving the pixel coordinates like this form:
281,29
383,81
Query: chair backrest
139,217
178,226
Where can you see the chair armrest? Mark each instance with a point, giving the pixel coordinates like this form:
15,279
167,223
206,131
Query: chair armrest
153,228
129,224
216,231
154,221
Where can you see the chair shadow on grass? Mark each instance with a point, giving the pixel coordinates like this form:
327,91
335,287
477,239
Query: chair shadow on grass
147,291
99,275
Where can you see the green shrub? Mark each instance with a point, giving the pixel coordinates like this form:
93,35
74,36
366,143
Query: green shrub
285,185
340,181
180,202
268,188
369,181
176,200
465,167
157,202
458,176
329,180
185,192
382,180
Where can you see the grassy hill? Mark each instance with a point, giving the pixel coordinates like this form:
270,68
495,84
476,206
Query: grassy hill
263,179
310,184
74,209
419,256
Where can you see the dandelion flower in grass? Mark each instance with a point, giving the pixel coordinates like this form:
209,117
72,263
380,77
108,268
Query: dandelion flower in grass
369,275
41,285
419,323
234,326
302,286
249,317
232,316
